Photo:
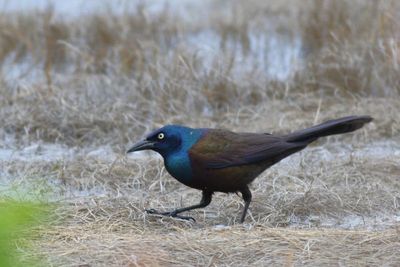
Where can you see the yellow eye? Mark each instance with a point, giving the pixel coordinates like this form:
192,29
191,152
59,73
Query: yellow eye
160,136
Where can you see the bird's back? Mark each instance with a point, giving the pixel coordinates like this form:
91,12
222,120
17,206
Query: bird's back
226,161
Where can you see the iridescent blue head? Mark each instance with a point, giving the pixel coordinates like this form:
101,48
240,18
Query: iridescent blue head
169,140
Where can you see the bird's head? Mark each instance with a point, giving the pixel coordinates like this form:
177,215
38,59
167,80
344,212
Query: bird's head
168,139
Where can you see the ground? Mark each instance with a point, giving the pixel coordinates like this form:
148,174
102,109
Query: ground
77,91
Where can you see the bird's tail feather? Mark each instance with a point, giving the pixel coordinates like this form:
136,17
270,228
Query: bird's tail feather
331,127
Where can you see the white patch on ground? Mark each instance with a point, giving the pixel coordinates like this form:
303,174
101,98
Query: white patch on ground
37,152
55,152
329,152
352,222
221,227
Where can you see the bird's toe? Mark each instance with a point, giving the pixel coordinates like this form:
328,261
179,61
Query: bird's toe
172,214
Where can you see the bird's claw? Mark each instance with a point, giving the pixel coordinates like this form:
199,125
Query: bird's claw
170,214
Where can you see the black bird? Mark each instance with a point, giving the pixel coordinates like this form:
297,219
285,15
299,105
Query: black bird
215,160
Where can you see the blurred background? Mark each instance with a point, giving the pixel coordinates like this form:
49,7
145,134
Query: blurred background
106,72
80,81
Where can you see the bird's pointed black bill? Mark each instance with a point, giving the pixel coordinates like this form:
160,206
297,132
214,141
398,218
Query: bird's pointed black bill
142,145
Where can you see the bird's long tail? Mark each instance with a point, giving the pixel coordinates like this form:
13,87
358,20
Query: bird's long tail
331,127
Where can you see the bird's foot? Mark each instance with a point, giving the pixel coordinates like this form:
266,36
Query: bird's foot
172,214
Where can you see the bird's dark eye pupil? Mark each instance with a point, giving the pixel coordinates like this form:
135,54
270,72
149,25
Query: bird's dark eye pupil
160,136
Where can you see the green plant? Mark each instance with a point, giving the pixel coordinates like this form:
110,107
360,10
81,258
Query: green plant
17,220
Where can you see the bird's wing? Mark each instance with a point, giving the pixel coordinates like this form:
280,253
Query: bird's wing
221,149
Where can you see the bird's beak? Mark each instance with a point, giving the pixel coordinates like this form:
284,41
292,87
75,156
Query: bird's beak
142,145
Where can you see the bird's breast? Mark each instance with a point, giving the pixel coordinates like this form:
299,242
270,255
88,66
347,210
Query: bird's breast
178,165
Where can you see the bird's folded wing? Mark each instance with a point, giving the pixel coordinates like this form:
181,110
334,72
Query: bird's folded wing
221,149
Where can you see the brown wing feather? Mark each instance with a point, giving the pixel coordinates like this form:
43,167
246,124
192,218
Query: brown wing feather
221,149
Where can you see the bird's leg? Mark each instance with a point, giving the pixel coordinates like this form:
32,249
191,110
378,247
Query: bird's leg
205,200
246,195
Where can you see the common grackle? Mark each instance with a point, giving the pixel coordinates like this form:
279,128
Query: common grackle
215,160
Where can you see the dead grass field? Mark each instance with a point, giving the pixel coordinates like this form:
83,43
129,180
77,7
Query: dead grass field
89,86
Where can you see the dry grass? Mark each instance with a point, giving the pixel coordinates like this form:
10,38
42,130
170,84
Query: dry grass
232,246
106,79
300,213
